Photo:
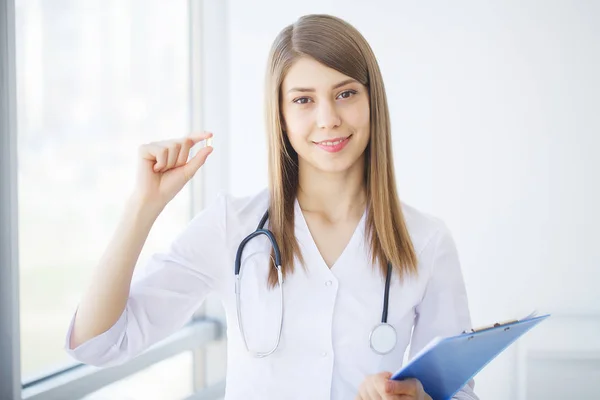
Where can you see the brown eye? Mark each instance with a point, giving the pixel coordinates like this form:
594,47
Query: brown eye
302,100
347,94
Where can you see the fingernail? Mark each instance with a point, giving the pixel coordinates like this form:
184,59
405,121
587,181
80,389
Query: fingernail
388,386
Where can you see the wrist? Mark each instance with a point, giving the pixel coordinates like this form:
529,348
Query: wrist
143,207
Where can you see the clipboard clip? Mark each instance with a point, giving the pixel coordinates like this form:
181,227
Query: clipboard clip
496,325
499,324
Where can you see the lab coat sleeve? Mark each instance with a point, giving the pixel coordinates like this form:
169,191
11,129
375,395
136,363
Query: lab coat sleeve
444,309
163,295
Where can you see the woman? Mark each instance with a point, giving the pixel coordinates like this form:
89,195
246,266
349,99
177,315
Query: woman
333,210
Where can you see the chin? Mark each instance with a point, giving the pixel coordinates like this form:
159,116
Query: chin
335,166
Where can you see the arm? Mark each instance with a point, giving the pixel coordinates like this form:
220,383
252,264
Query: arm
161,298
109,304
105,300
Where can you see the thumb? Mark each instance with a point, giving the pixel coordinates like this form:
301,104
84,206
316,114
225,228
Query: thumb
196,162
382,383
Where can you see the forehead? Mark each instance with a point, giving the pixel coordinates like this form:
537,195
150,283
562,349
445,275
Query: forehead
309,73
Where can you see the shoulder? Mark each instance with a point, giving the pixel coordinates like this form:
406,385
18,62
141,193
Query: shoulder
219,225
425,230
256,202
239,213
245,210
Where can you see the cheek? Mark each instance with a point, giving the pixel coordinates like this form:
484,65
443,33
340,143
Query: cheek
297,140
298,126
359,117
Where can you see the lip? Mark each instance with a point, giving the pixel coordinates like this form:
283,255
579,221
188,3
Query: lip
335,148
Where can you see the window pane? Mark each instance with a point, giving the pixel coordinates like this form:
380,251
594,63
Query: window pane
170,379
95,79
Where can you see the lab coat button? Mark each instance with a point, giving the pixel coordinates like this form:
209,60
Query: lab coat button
324,354
328,283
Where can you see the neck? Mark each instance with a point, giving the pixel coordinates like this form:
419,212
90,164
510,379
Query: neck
337,196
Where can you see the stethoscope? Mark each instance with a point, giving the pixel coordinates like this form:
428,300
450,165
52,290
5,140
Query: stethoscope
382,338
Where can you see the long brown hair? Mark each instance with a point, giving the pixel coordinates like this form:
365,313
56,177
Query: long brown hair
338,45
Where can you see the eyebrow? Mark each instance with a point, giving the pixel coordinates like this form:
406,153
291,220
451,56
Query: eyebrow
337,85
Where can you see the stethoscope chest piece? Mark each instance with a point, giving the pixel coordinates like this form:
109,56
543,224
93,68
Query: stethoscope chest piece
383,338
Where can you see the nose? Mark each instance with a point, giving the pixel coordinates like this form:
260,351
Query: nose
328,116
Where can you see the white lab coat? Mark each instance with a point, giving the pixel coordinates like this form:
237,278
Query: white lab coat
324,351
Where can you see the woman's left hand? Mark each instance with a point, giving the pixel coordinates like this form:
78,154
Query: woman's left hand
380,387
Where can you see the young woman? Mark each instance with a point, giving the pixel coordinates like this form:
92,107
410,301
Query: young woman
357,276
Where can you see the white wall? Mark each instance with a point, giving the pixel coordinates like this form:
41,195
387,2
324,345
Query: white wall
495,112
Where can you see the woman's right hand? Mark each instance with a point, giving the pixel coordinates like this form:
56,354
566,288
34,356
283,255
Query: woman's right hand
164,169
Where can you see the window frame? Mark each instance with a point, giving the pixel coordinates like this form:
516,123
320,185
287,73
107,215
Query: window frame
10,352
209,108
81,380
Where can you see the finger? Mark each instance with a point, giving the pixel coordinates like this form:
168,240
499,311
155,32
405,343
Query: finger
159,154
415,387
189,142
381,381
407,387
186,145
374,394
196,162
198,137
172,154
364,392
148,151
420,391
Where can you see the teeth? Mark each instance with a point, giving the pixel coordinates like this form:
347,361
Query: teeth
332,143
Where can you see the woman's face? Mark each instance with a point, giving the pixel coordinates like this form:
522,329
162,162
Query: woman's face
326,115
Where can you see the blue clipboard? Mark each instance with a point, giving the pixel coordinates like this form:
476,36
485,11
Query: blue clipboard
445,365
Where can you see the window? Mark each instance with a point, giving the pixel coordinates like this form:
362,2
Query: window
157,382
95,79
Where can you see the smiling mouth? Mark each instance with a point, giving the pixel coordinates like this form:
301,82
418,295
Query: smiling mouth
333,142
334,145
